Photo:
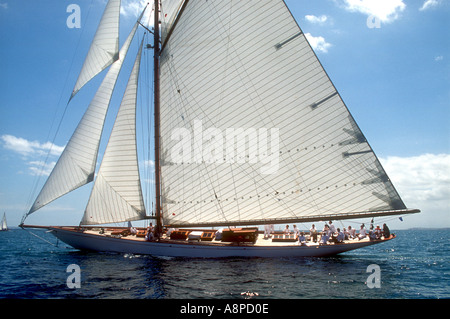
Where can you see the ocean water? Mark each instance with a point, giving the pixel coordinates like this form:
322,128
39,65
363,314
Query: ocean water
415,265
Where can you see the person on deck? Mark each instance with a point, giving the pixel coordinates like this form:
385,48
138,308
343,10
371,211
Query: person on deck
313,233
301,239
266,231
337,237
362,232
296,230
324,238
340,236
377,232
150,236
351,232
332,228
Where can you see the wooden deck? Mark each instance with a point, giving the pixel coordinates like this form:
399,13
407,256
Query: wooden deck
276,239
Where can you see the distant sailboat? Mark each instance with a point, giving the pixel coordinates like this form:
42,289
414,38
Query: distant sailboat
249,130
4,226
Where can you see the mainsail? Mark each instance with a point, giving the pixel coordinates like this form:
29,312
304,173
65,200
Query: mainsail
76,166
252,128
104,48
117,194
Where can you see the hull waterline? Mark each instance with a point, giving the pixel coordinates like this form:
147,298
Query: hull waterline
98,243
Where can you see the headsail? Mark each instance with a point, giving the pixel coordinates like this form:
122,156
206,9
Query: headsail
117,194
253,130
76,166
104,48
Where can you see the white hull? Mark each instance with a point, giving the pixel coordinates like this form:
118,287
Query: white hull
99,243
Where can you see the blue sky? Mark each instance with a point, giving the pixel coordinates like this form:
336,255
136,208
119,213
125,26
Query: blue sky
390,61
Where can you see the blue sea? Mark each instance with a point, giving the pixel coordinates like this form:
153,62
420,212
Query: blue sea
415,265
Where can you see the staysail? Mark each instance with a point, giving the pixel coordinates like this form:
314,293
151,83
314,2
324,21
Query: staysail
76,166
117,194
252,128
104,48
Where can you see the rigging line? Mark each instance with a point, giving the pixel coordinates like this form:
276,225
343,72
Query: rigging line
142,101
39,237
149,103
145,115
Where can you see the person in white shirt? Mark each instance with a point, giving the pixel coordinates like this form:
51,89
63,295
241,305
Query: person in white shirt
286,230
346,233
332,228
362,232
296,230
266,231
351,232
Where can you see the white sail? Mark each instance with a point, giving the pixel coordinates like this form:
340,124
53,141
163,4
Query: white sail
252,128
169,12
117,194
104,48
76,166
4,224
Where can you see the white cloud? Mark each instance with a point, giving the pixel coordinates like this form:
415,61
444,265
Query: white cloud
318,43
439,58
423,182
28,148
149,163
133,8
40,168
384,10
429,4
313,19
34,151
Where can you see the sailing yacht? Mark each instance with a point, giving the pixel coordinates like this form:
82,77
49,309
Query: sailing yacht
249,130
4,226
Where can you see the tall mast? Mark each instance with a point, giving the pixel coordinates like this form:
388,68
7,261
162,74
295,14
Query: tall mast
157,121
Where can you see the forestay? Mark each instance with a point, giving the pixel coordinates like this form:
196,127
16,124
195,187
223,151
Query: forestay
253,130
